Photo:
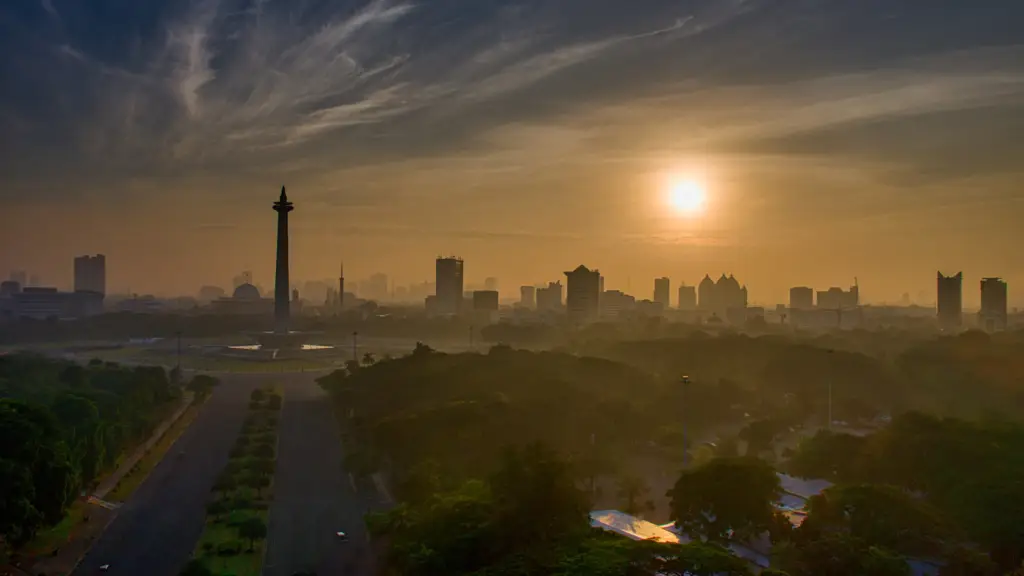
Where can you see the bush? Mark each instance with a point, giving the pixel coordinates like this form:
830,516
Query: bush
238,516
274,403
257,395
229,548
207,547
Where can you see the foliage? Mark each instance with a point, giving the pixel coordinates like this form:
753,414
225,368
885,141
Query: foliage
252,530
726,499
839,555
196,567
61,426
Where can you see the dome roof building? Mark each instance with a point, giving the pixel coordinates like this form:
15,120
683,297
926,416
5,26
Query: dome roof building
246,292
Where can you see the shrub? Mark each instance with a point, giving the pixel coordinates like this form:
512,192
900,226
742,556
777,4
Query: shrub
229,548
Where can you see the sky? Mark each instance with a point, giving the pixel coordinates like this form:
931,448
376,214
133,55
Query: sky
834,139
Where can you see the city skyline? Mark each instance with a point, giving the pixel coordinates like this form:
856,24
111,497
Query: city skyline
526,137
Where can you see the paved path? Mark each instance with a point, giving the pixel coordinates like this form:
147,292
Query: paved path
313,495
111,481
156,530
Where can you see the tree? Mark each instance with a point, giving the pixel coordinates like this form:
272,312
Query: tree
883,516
257,482
369,359
760,435
196,567
252,530
261,467
704,559
257,395
840,555
631,490
263,451
725,499
225,483
274,402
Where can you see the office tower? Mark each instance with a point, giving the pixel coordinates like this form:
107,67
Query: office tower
721,296
549,299
583,292
486,300
91,274
949,300
687,297
616,304
801,298
527,296
993,304
838,299
662,290
491,283
448,284
19,276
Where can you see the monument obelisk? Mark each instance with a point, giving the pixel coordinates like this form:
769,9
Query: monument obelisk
282,286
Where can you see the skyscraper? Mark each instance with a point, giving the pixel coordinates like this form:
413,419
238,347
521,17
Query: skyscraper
491,283
527,296
448,284
91,274
719,297
993,304
662,291
549,299
949,300
583,292
801,298
687,297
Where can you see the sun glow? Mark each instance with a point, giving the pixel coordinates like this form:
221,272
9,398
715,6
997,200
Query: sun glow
687,197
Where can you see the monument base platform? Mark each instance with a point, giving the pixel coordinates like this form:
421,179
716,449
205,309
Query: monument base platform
281,340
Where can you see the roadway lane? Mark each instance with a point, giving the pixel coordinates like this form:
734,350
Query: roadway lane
157,528
313,497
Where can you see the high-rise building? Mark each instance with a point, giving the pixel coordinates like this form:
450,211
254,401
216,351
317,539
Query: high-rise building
448,285
527,296
19,276
491,283
801,298
662,291
949,300
687,297
583,294
993,304
91,274
719,297
485,300
838,299
616,304
549,299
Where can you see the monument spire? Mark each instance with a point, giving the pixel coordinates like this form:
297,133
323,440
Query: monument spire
282,285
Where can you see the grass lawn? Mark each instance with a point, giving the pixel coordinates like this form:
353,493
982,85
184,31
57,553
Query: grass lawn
134,479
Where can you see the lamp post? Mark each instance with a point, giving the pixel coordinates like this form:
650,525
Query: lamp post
684,381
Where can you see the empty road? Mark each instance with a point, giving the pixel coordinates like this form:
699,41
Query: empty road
156,530
313,497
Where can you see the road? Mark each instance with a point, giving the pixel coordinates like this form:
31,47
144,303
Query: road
313,496
156,530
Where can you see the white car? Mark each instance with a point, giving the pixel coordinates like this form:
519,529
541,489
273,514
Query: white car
341,536
104,567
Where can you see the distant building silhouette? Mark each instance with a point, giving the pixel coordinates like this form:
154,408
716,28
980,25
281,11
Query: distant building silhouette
91,274
449,273
662,292
583,294
838,299
549,299
485,300
616,304
9,287
949,300
43,303
993,304
19,276
801,298
721,296
527,296
687,297
491,283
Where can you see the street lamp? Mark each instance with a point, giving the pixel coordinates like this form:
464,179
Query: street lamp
685,382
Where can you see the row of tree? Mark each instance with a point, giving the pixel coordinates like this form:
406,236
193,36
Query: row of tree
61,426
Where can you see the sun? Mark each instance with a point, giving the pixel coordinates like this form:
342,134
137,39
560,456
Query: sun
687,197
